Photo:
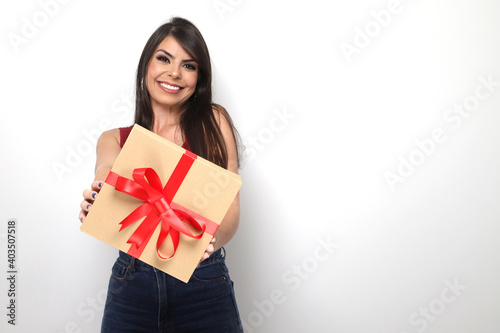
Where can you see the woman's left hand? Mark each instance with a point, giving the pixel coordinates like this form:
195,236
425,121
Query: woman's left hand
210,249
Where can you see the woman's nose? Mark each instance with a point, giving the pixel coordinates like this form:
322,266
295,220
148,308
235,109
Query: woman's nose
174,73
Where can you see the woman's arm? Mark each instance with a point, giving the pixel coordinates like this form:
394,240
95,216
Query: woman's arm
230,223
108,148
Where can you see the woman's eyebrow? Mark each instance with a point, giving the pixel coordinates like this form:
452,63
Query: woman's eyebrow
171,56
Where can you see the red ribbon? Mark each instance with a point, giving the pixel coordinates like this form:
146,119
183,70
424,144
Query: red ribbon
158,206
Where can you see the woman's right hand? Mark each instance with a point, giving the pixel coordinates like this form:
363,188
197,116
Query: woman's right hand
89,195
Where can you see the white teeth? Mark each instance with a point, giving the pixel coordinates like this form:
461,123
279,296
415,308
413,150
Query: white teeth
169,86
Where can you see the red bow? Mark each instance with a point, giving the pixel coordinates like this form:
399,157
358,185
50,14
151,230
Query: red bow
158,206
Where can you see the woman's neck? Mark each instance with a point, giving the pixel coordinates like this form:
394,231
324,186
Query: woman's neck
167,124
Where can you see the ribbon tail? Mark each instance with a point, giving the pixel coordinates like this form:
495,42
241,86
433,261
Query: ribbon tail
142,235
141,211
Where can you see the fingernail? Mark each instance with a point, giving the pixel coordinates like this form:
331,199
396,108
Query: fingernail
94,195
100,184
88,206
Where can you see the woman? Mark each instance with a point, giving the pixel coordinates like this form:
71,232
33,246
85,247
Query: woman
174,100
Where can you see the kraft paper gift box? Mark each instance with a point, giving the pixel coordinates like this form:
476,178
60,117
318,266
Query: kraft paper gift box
158,194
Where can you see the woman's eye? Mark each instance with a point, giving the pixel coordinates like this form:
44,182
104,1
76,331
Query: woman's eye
190,67
162,58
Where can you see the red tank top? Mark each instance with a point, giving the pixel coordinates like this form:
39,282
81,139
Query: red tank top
125,131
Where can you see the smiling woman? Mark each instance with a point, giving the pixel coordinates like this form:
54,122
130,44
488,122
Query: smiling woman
174,100
175,55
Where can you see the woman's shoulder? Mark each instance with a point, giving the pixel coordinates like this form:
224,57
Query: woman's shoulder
229,135
224,121
218,109
114,132
221,115
110,136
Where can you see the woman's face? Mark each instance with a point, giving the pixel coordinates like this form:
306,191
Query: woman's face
172,75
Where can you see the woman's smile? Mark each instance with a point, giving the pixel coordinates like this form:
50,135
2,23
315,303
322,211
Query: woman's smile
169,87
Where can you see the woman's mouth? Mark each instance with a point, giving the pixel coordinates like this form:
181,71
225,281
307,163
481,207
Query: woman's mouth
170,88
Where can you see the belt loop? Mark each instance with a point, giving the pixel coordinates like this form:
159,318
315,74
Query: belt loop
223,252
132,264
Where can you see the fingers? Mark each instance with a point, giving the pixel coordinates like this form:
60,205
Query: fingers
205,256
96,186
82,215
85,206
89,195
210,249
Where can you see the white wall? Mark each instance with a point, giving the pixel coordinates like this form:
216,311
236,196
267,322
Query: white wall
418,253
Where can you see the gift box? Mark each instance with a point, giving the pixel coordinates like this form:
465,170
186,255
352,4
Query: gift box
161,203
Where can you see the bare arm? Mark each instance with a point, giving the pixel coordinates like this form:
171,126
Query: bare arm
230,223
108,148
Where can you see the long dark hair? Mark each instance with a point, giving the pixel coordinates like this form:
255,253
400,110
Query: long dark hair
199,115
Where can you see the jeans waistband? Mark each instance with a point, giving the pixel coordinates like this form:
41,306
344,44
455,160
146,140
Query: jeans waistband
220,253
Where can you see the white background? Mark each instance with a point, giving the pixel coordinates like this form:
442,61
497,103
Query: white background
319,176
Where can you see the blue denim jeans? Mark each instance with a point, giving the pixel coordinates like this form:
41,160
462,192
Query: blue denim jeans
142,298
